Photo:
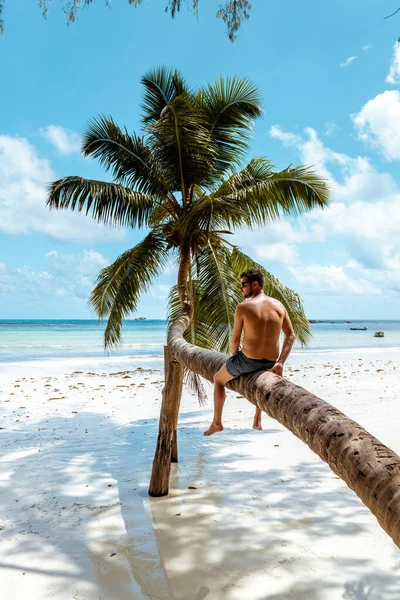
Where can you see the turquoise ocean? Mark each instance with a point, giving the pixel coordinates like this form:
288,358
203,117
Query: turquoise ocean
33,340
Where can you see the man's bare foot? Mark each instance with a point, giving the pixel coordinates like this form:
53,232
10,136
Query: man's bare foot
257,425
213,429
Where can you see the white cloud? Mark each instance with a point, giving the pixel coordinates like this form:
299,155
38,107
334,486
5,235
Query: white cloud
302,231
359,177
348,61
366,47
160,291
289,139
286,254
332,280
67,277
65,141
62,286
378,123
363,219
76,273
394,70
25,281
330,128
316,155
24,176
378,222
88,262
19,159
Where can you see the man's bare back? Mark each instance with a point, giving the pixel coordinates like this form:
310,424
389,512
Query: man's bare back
259,320
262,320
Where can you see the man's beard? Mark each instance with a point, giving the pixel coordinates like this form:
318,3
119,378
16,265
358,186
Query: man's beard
248,296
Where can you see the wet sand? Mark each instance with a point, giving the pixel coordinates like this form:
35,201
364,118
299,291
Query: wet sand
251,515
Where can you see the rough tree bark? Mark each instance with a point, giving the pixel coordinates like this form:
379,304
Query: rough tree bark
367,466
166,449
167,443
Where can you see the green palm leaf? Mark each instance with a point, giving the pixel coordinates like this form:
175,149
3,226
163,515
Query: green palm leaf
210,213
171,180
191,379
266,194
107,202
120,285
257,171
215,294
161,87
256,196
126,156
180,142
275,289
231,105
215,302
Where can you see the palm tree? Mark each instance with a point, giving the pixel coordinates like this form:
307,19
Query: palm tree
370,469
182,181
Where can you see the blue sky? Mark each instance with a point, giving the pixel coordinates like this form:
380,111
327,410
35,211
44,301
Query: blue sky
329,73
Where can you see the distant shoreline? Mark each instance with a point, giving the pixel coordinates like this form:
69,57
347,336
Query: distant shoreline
53,339
147,319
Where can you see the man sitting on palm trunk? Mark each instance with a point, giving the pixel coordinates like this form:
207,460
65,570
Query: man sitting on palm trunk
261,319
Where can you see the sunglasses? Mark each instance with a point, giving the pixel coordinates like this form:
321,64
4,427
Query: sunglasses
242,284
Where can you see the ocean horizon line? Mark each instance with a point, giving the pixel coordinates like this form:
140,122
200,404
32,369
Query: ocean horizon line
138,319
4,320
32,339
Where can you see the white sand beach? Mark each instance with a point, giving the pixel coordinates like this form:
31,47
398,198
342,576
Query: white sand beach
250,516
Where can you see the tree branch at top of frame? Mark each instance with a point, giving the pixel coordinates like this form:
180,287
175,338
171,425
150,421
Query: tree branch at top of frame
392,15
232,12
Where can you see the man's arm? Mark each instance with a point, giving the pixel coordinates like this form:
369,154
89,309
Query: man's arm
237,329
287,345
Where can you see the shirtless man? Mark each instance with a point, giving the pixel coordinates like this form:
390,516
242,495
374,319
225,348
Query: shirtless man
261,319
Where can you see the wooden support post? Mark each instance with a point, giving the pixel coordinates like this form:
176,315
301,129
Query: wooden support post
368,467
174,451
166,448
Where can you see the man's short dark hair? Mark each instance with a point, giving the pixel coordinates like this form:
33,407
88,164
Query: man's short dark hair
254,275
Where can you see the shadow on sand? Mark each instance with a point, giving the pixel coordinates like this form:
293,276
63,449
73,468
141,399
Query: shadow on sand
248,527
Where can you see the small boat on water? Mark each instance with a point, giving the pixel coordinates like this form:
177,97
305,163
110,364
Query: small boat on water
358,328
379,334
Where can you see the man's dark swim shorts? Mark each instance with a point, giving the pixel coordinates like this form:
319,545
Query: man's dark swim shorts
239,364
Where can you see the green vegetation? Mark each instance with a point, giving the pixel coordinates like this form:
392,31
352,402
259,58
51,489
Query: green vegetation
233,12
182,182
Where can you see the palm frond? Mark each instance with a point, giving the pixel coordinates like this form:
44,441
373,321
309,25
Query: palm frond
192,140
255,196
180,142
267,194
215,294
126,156
230,105
192,381
108,203
120,285
257,171
275,289
210,213
161,87
195,384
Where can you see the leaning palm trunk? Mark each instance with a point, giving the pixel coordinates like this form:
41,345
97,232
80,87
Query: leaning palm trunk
367,466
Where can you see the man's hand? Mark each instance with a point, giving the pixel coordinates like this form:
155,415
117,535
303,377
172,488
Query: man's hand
278,369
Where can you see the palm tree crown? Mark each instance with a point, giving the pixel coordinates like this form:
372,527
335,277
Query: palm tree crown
182,181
